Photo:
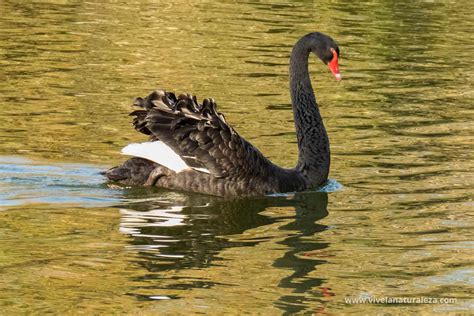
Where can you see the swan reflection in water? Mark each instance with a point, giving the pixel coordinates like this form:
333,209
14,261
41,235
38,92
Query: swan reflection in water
191,233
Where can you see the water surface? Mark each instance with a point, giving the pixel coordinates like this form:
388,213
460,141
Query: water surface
400,125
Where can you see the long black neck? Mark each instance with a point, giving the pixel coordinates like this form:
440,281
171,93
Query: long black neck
313,142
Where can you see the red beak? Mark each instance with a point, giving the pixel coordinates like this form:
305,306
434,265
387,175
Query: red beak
334,65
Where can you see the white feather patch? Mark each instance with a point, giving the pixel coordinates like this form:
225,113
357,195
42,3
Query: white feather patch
160,153
202,170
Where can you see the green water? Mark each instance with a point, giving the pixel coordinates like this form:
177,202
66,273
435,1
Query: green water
400,125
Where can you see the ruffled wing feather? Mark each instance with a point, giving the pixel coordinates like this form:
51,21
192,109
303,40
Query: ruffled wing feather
199,135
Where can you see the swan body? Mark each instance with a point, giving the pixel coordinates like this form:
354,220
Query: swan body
193,148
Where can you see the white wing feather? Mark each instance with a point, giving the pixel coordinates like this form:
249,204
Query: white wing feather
158,152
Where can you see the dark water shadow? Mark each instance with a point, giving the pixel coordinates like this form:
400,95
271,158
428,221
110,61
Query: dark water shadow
309,209
193,230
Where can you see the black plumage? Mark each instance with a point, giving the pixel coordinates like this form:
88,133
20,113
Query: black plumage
200,135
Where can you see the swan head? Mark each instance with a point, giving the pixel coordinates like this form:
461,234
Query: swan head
327,50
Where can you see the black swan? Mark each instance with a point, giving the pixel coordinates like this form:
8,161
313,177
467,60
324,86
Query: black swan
193,148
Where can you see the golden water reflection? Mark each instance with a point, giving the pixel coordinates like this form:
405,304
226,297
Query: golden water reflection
399,124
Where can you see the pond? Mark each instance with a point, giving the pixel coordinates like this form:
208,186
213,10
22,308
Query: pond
395,221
